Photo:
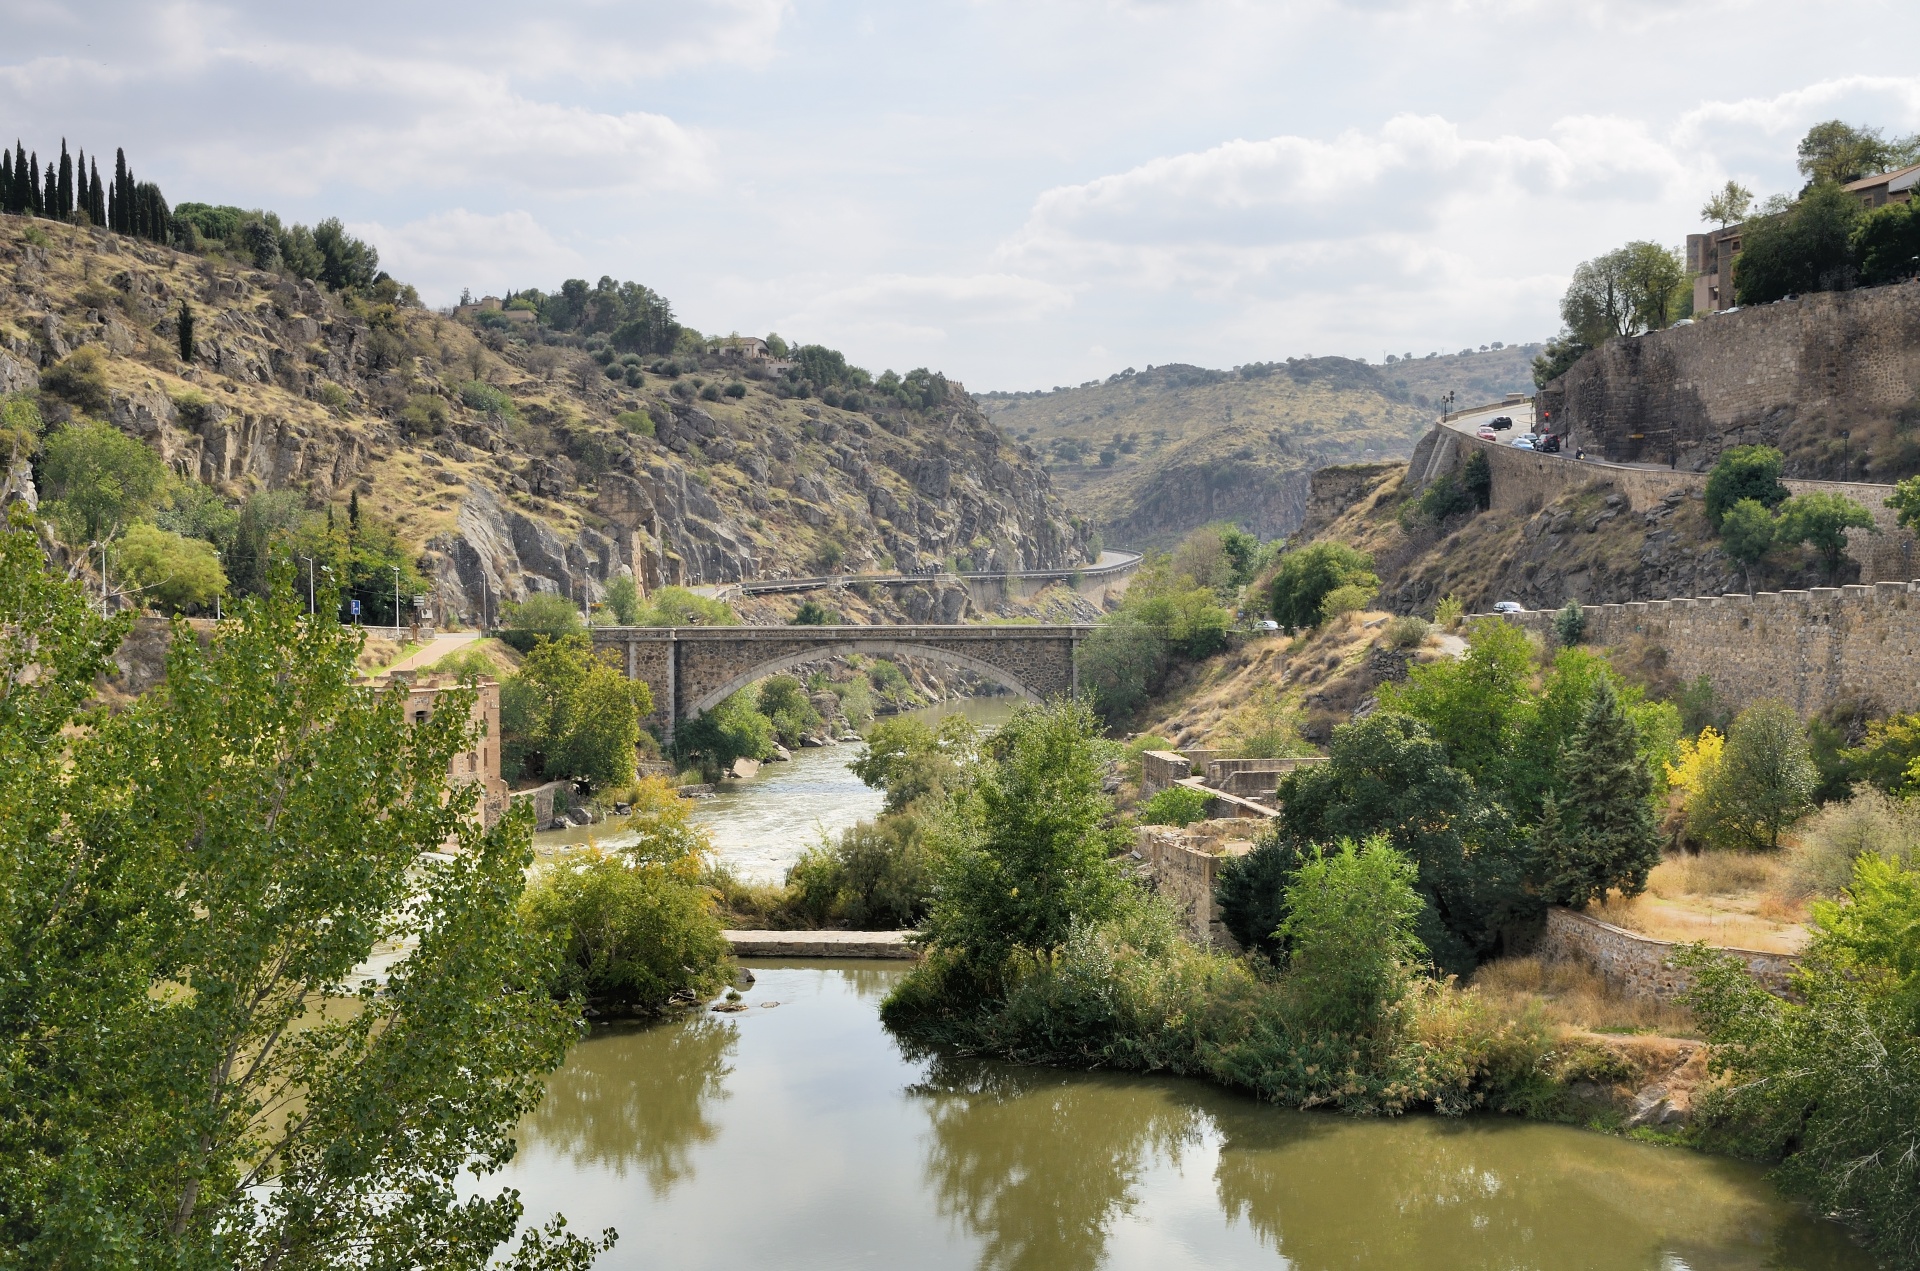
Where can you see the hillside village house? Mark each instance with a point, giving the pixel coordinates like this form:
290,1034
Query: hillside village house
746,348
1886,187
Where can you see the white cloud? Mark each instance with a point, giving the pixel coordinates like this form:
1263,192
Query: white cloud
443,253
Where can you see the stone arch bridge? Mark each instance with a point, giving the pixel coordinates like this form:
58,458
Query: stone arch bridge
692,669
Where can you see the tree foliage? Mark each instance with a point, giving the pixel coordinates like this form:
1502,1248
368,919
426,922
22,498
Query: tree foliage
169,571
1821,519
252,829
566,713
1807,248
541,616
101,480
1309,575
1837,152
1599,835
1762,783
735,729
1744,472
1349,926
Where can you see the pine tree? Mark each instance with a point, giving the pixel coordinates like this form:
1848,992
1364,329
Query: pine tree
1599,833
64,193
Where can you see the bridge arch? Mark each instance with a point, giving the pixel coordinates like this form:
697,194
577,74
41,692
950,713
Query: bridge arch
712,697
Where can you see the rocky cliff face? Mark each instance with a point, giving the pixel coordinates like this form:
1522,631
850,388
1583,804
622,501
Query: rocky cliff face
506,454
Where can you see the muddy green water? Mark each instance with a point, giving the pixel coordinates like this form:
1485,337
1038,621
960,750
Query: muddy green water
800,1136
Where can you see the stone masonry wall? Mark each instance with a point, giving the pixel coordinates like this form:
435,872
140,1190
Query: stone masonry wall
1829,361
1184,865
1640,965
1525,481
1806,648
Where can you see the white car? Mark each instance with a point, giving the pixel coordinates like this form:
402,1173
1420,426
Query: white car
1521,443
1508,606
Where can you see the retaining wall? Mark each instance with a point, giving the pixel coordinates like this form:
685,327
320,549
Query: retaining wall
1637,964
1185,864
1808,649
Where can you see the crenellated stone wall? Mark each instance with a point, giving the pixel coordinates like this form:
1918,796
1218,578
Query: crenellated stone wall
1806,648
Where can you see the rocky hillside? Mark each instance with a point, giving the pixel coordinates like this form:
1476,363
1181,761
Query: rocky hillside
1148,456
1586,545
503,451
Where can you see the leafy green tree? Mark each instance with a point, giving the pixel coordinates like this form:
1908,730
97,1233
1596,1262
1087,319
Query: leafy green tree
566,713
1658,287
1728,205
1821,519
1558,357
1598,304
345,261
167,570
1251,891
253,829
100,479
1744,472
678,607
1747,533
1350,925
1030,848
1905,502
631,937
814,614
1807,248
1307,576
20,427
783,700
80,381
623,597
1186,616
542,615
1828,1083
1600,835
911,761
1886,243
1835,152
1121,662
735,729
878,876
1764,781
362,555
197,511
1474,705
1387,775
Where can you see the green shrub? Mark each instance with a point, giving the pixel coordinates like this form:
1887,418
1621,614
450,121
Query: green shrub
1308,576
1407,633
542,615
168,571
638,422
1176,805
101,480
814,614
1570,624
80,380
735,729
736,389
877,876
487,399
630,939
1349,926
783,700
1744,472
623,598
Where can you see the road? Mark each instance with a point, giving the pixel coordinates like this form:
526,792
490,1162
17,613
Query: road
433,650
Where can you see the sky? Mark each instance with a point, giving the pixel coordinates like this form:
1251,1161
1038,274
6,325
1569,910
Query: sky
1021,193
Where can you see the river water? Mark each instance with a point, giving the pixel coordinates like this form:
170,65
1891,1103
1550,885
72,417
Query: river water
801,1136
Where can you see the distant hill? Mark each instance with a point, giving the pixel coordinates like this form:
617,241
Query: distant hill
1146,456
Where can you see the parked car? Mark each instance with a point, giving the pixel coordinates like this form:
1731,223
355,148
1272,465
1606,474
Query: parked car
1499,422
1508,606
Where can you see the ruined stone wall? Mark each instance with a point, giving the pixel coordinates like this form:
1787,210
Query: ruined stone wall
1184,865
1830,361
1806,648
1160,769
1636,964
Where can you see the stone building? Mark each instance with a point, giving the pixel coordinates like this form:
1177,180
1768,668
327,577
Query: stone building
479,765
1886,187
1710,261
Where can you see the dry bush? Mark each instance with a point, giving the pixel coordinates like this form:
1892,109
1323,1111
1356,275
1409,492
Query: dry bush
1576,996
1820,863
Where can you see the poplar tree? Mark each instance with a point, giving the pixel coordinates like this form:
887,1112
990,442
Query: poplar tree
1598,834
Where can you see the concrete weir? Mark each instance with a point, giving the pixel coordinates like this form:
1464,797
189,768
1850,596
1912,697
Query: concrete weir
820,944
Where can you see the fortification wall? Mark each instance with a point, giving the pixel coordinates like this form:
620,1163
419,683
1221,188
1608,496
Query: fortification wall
1809,649
1831,361
1524,481
1640,965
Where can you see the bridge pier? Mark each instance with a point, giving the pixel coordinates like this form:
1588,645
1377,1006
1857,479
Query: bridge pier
692,669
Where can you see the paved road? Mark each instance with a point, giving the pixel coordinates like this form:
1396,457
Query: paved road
434,650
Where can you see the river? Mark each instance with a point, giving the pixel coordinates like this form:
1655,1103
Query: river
801,1136
798,1134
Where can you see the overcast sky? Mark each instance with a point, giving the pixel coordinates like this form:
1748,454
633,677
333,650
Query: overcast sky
1020,192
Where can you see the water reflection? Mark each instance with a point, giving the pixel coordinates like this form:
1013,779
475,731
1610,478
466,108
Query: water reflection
637,1097
1036,1163
802,1136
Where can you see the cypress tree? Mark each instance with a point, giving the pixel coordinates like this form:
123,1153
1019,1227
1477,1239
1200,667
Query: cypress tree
64,201
33,185
117,209
1599,833
21,201
186,332
96,197
50,204
6,180
353,510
